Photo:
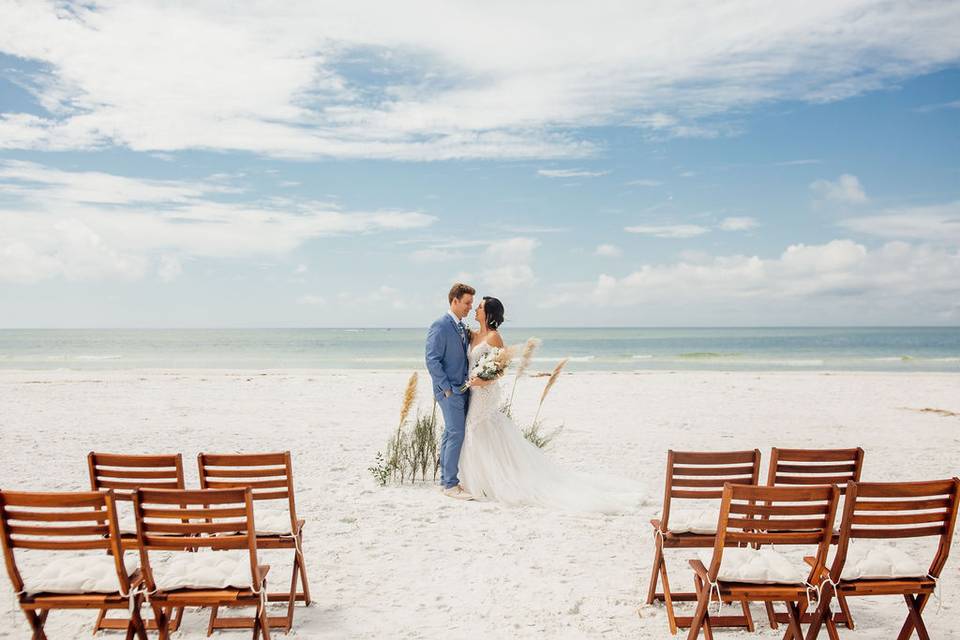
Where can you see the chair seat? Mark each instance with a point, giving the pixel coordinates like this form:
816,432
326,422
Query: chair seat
273,522
880,561
78,574
699,521
219,570
756,566
694,539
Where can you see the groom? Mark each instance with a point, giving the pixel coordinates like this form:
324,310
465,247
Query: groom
447,364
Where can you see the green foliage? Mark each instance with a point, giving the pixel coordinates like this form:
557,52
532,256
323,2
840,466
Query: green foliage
411,451
381,470
540,438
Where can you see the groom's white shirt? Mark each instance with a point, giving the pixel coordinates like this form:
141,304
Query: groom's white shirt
456,320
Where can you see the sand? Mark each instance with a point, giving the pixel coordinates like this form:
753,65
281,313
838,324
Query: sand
406,562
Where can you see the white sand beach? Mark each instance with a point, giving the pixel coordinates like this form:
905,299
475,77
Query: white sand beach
406,562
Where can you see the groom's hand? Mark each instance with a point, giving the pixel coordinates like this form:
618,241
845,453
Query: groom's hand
448,393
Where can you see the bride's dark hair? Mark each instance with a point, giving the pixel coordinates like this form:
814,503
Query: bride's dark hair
493,309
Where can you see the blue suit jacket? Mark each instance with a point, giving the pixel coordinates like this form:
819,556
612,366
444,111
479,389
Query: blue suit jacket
446,356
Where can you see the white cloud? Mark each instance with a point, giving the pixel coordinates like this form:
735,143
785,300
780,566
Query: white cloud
644,183
432,255
311,300
92,225
570,173
816,277
928,108
375,299
508,265
608,251
669,230
276,78
934,223
169,268
796,163
738,223
846,189
301,269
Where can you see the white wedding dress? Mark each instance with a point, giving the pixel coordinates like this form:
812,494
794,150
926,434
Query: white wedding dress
498,463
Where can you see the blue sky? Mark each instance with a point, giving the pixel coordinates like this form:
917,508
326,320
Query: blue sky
311,165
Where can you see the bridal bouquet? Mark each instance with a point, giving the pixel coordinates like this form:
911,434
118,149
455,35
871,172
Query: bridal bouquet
491,365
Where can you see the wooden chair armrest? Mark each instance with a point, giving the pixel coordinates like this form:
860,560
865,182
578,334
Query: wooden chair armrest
812,561
699,569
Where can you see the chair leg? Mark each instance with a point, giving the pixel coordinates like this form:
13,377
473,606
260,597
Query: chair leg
177,618
794,630
699,617
265,622
668,599
293,592
771,614
303,575
914,618
100,617
845,610
213,618
747,615
818,618
163,623
36,622
657,560
139,626
907,629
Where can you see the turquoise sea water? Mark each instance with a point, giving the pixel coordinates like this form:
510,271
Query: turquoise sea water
859,349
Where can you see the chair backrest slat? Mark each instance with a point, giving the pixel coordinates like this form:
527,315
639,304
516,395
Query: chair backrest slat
776,515
897,510
182,520
268,475
127,473
701,475
59,521
814,466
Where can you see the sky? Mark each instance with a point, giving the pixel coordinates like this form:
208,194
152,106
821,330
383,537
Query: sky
315,164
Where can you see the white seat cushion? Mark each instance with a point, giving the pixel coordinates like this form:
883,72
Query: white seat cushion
272,522
78,574
702,521
213,570
880,561
757,566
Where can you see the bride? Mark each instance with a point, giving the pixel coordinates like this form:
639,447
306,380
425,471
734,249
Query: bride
498,463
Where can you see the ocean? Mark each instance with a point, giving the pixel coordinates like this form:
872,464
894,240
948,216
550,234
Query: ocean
613,349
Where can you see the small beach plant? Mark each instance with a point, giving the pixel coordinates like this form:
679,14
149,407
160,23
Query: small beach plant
395,453
412,448
539,438
526,356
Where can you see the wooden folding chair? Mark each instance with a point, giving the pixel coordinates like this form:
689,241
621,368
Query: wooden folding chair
804,467
124,474
699,476
884,511
753,516
270,476
69,522
180,521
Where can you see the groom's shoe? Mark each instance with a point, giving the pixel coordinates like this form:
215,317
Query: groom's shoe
458,493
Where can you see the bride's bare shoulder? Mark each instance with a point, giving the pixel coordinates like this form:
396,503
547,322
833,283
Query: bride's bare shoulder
494,339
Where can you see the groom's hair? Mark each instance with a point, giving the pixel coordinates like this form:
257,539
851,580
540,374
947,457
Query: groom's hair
459,290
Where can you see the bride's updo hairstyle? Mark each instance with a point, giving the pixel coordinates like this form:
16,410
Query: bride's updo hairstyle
493,309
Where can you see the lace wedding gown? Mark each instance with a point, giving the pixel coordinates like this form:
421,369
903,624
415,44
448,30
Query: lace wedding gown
498,463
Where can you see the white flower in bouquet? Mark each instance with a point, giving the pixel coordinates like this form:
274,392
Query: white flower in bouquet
491,365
